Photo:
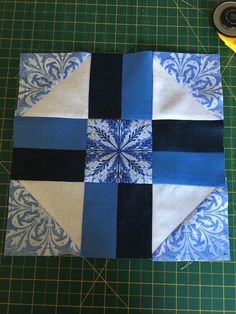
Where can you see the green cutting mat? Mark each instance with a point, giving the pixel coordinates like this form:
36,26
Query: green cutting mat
69,285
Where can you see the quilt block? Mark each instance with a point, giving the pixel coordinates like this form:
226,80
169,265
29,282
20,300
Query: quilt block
119,156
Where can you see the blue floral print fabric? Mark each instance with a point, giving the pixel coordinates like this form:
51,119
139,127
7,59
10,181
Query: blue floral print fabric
199,74
39,73
203,235
119,151
31,230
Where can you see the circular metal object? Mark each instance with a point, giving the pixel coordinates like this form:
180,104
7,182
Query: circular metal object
224,18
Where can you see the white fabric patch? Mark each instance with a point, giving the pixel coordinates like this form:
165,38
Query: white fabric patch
172,101
63,201
68,99
172,204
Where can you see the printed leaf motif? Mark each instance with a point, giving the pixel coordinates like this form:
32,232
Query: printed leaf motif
202,236
119,151
31,230
39,73
199,74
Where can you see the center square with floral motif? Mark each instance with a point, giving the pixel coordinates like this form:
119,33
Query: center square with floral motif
119,156
119,151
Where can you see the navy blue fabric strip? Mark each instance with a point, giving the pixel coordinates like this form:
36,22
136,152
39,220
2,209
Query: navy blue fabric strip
50,133
137,85
99,220
186,135
203,169
48,165
134,221
105,86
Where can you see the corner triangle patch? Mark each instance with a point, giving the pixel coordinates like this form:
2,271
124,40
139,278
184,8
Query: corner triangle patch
68,99
63,201
172,101
172,204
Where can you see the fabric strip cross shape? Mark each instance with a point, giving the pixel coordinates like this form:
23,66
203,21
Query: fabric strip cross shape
119,156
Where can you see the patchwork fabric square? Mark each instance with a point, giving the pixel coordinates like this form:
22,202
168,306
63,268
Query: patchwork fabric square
119,156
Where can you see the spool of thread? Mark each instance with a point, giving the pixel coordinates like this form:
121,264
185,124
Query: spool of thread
224,19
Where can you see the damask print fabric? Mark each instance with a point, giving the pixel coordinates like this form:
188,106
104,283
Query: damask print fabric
31,230
119,156
40,73
198,74
195,238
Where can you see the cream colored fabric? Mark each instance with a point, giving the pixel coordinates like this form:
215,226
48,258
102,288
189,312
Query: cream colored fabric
172,101
172,204
68,99
63,201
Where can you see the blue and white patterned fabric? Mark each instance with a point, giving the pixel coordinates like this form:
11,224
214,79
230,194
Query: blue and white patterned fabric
39,73
119,151
203,235
101,157
199,74
31,230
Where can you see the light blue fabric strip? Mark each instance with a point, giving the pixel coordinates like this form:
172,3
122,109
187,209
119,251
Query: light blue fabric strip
137,86
50,133
99,220
204,169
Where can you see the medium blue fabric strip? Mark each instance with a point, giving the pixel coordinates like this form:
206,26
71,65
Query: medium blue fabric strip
206,169
137,86
99,220
50,133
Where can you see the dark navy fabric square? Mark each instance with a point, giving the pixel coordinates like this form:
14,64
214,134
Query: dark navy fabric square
188,135
134,221
48,165
105,86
